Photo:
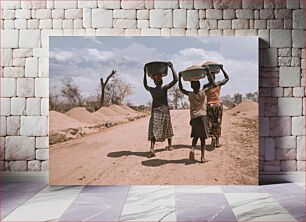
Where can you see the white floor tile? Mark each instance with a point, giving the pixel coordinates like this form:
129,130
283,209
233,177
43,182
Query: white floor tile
47,205
198,189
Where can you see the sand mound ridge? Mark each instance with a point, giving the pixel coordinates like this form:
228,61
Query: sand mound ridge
59,121
81,114
245,106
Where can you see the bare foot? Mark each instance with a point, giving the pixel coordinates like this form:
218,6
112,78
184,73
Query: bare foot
203,160
191,155
151,154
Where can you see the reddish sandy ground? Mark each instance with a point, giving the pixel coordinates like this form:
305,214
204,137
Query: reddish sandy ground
118,155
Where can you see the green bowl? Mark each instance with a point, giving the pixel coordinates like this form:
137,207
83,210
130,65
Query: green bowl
194,74
157,67
214,68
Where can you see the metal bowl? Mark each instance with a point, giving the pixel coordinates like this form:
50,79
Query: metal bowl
194,74
157,67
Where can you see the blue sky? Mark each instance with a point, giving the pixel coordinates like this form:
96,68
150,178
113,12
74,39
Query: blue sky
87,59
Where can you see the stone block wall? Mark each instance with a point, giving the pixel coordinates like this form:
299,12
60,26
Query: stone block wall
26,25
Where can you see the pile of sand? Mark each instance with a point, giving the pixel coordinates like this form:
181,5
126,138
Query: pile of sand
129,109
119,109
108,112
59,121
81,114
245,106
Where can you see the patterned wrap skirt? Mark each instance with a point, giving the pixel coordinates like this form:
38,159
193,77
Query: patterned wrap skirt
199,127
160,127
214,115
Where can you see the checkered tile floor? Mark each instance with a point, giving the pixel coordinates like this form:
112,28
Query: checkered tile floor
39,202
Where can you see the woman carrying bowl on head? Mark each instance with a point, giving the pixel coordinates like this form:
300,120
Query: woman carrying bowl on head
198,120
214,107
160,127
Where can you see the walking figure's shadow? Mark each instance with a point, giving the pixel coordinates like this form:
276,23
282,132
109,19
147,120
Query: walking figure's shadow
160,162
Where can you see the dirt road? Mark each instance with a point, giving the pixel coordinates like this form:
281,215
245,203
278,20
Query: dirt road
118,156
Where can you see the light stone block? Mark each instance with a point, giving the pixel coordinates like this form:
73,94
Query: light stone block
293,4
295,62
143,14
22,53
284,52
299,92
192,19
298,38
252,4
13,72
298,19
240,24
285,142
109,4
33,106
264,38
224,24
280,38
42,154
29,38
45,165
18,106
149,4
288,92
34,165
166,4
288,165
125,23
58,13
45,106
165,32
132,32
132,4
66,4
124,14
186,4
31,67
179,18
9,38
25,87
109,31
298,126
301,166
215,32
18,166
160,18
266,14
289,76
13,125
43,68
87,4
246,32
208,24
213,14
142,23
289,106
86,18
43,14
34,126
10,4
41,87
301,148
280,126
33,4
8,87
269,149
229,14
8,14
42,142
102,18
5,106
19,62
202,14
57,23
20,23
191,32
227,4
203,4
150,32
285,154
245,14
8,24
20,148
45,24
6,57
73,13
178,32
3,132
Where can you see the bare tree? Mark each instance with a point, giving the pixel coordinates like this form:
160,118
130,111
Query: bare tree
176,98
117,90
71,93
103,86
53,101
